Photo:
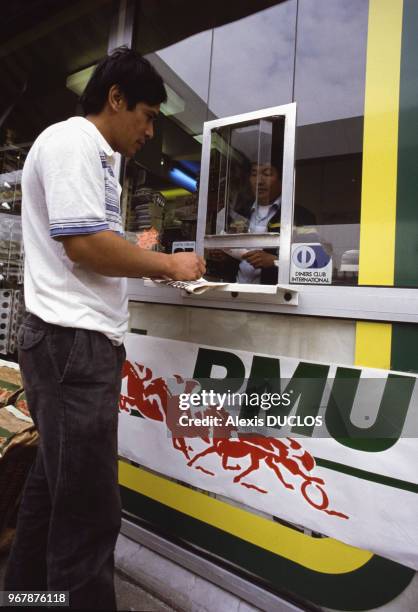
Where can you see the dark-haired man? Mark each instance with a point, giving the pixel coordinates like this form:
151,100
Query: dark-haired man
258,266
71,343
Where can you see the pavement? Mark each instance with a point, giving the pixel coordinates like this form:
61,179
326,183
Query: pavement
129,595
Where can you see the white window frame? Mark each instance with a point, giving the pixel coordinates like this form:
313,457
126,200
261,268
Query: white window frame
288,111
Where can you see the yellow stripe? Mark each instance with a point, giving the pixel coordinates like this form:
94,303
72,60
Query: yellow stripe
373,344
380,145
321,555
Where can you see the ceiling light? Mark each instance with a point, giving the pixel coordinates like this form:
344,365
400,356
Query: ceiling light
175,103
78,80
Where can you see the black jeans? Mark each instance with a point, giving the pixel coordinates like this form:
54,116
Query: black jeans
70,512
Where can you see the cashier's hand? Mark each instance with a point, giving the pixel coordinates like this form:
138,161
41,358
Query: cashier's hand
260,259
186,266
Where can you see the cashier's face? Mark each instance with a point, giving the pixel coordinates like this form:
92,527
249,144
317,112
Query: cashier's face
265,183
133,128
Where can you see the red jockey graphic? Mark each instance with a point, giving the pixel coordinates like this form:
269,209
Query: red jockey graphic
156,399
151,398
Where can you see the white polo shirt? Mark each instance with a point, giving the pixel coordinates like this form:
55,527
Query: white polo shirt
69,188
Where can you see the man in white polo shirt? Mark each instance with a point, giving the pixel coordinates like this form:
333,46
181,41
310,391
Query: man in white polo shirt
71,342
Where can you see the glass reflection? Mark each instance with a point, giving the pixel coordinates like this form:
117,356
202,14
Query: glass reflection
252,61
330,59
329,90
245,186
245,176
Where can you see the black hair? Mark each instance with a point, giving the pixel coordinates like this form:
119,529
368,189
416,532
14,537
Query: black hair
136,78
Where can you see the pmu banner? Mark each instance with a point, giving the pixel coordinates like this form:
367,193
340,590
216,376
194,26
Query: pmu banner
329,447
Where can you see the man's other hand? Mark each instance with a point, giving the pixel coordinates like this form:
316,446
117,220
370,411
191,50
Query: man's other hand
186,266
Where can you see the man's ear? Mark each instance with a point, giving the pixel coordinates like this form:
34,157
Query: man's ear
116,99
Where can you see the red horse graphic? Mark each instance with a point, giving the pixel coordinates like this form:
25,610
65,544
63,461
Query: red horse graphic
159,400
275,453
152,398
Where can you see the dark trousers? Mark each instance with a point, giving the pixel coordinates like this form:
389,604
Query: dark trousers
70,512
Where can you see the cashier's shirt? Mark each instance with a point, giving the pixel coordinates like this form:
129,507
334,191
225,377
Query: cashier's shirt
259,220
69,189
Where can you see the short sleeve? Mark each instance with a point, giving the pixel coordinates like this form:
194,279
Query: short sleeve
71,172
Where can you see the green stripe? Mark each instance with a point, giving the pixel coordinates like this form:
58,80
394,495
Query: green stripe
406,241
384,579
404,353
364,475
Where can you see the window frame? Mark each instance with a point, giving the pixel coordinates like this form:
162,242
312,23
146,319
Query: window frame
288,111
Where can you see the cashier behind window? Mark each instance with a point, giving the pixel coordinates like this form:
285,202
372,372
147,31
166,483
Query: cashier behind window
257,266
260,216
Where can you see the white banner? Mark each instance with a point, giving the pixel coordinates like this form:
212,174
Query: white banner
364,496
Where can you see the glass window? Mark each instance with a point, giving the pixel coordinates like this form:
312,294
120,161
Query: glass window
243,207
252,61
245,172
329,91
161,182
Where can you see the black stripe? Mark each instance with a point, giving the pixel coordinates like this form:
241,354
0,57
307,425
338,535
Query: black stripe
364,475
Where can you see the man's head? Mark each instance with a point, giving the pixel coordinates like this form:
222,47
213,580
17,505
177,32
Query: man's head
266,183
123,98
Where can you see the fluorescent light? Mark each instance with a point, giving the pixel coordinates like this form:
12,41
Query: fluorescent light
175,103
6,184
5,205
183,180
78,80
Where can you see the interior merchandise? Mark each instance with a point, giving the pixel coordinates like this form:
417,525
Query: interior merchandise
10,384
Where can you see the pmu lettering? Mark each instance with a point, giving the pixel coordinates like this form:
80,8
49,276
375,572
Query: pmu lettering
306,387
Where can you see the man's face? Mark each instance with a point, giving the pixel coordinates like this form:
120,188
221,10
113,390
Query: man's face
132,128
265,183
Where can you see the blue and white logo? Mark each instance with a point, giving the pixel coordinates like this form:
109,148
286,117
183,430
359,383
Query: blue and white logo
310,264
310,256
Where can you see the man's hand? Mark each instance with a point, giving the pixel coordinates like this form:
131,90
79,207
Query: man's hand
111,255
186,266
260,259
